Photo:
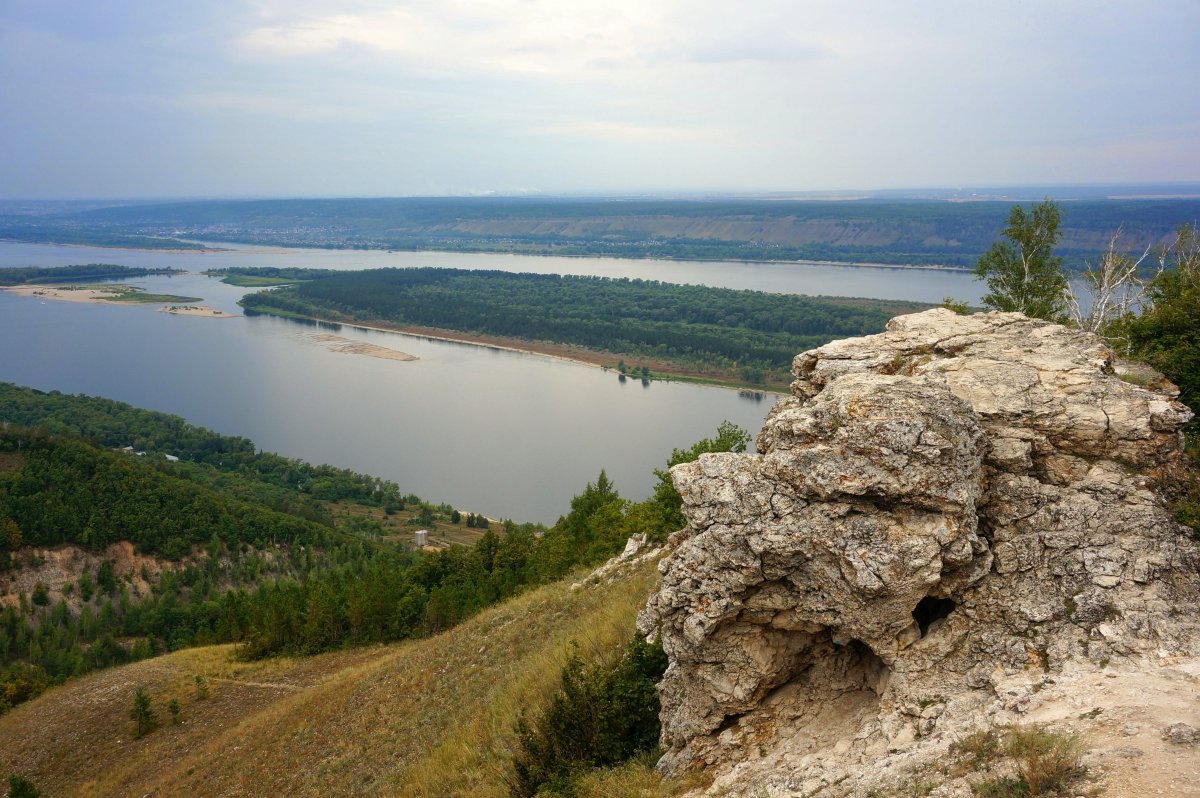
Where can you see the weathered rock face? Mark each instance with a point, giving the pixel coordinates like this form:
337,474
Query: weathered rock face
936,510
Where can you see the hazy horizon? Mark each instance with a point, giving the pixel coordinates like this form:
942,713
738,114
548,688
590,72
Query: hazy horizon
313,98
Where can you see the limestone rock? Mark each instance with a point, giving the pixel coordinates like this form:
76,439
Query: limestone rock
940,516
1181,734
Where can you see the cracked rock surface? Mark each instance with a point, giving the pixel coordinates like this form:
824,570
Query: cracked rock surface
939,517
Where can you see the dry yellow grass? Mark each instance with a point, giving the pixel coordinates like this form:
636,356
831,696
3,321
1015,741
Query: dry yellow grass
426,718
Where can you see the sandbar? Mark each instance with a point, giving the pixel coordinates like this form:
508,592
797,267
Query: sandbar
197,310
336,343
64,293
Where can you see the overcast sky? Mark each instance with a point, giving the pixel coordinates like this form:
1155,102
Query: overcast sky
133,98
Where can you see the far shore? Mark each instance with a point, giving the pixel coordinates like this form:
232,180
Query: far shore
278,249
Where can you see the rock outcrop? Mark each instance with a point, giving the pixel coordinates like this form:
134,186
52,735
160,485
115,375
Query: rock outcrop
939,520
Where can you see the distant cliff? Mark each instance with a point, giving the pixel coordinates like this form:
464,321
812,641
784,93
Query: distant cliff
954,525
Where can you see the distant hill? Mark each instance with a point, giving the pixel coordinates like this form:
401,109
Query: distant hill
949,229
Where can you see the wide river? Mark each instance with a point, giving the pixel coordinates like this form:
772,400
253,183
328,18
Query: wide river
504,433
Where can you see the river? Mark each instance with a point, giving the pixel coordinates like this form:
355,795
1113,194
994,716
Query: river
504,433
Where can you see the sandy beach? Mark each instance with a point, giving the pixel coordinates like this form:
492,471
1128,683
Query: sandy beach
64,293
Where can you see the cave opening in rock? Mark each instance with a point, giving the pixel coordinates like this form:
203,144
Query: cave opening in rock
930,609
875,673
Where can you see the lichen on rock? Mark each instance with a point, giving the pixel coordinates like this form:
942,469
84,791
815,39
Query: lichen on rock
937,513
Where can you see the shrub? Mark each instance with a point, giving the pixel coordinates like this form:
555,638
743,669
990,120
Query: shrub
604,714
1046,761
20,787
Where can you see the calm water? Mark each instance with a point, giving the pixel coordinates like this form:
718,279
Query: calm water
918,285
503,433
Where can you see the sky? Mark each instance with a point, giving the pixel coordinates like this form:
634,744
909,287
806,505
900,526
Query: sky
233,98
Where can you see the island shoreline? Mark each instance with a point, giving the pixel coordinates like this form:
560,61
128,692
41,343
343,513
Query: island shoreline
567,353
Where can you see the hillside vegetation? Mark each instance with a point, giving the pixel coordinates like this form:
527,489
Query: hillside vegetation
433,717
109,555
248,553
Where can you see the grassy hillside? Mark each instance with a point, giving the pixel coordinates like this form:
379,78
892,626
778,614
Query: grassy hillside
432,717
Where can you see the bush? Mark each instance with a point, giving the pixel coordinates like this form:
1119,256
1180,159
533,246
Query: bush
1045,762
20,787
604,714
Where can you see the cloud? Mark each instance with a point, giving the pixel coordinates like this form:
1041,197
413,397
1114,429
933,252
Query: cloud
629,131
445,95
542,39
524,38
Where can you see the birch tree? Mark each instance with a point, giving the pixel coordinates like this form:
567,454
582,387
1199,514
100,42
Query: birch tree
1021,271
1114,288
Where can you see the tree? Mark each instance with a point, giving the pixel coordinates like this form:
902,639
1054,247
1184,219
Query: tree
1167,332
730,438
1114,288
106,577
1022,274
142,714
10,534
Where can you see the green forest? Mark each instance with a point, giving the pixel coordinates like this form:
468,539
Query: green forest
263,276
78,273
750,335
258,558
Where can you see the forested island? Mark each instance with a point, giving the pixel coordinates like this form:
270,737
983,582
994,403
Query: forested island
748,337
267,276
35,275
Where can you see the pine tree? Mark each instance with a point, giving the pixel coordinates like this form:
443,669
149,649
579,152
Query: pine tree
142,714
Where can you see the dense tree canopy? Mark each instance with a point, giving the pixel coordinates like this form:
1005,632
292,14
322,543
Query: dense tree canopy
749,330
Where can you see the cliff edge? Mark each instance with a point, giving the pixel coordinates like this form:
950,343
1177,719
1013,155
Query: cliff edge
948,526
